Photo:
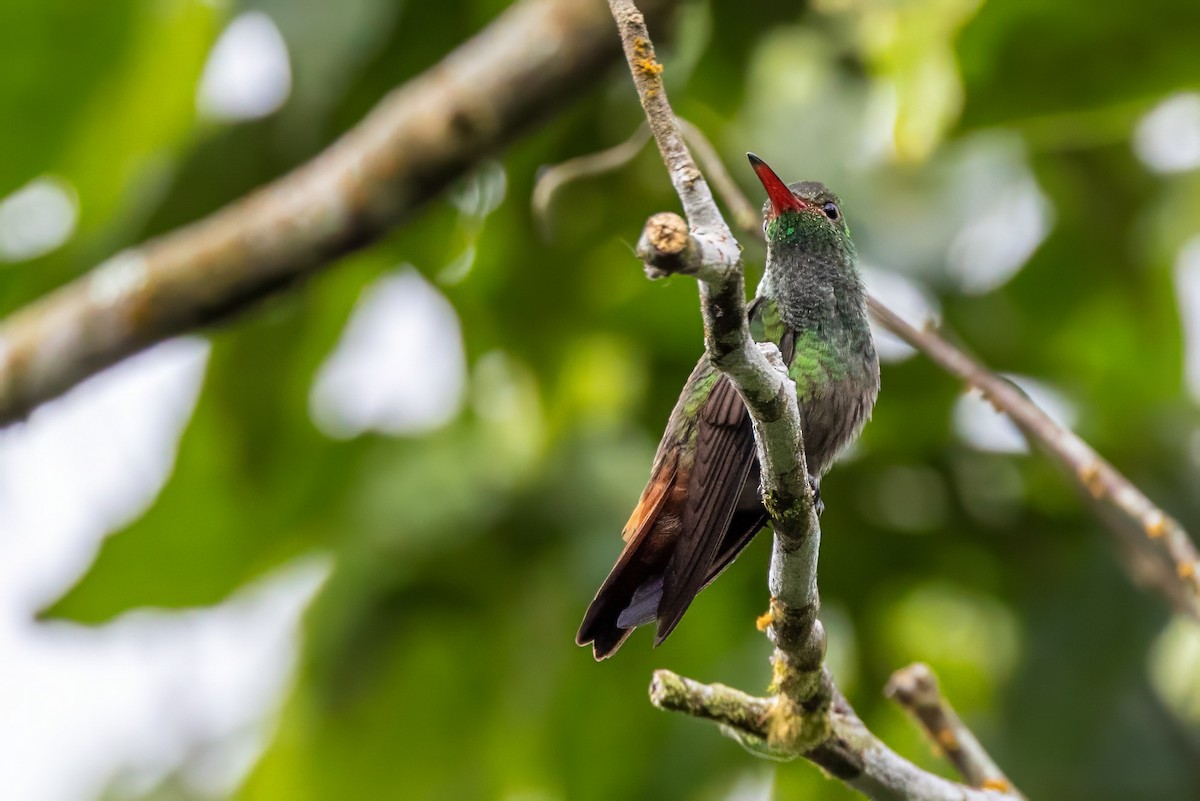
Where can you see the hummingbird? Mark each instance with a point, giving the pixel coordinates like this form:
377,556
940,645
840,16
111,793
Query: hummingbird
703,503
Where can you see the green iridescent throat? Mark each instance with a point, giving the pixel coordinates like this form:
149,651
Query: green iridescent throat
791,227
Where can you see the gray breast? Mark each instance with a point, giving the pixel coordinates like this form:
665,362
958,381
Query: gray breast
834,413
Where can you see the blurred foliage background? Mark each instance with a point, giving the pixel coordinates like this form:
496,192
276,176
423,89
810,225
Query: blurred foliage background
449,429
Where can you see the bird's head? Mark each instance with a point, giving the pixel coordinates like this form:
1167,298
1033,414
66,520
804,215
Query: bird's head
805,212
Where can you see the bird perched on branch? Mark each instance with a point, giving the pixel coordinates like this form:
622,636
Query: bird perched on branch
702,505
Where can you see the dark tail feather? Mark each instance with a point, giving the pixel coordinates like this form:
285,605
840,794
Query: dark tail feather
631,589
629,592
643,608
616,612
606,644
599,628
742,528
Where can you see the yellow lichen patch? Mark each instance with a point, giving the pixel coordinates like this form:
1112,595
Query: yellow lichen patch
783,725
649,67
1089,476
1156,524
791,730
947,740
778,673
996,784
764,621
1187,570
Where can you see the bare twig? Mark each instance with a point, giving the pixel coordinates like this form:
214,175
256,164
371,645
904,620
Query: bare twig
411,146
745,216
556,177
915,688
805,715
1169,558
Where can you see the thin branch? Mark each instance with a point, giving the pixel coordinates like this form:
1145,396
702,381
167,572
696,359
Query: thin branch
746,216
556,177
689,184
739,711
805,714
1169,562
915,688
532,59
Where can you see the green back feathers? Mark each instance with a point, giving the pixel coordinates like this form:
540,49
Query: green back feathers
815,359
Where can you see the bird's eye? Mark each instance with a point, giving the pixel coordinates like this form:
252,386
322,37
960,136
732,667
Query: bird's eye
831,210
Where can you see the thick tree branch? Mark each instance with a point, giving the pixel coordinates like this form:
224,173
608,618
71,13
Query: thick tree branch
805,715
414,143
